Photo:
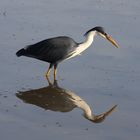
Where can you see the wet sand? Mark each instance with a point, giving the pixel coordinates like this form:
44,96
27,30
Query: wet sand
101,77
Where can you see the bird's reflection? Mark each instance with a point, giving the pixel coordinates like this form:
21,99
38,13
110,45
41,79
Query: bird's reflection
59,99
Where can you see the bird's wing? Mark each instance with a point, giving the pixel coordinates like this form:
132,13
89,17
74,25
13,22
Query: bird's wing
51,50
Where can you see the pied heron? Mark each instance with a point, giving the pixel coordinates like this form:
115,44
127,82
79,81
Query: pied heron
54,50
56,98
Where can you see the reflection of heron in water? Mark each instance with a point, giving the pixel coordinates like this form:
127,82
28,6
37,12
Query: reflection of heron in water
56,98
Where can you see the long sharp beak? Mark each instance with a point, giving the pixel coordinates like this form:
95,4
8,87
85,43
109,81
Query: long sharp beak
100,118
109,38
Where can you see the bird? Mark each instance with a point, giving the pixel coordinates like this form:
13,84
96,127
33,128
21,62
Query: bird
55,98
55,50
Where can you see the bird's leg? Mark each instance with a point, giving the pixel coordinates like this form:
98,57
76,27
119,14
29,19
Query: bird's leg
48,71
49,81
55,71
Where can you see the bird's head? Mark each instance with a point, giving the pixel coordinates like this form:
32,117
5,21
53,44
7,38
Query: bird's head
100,31
99,118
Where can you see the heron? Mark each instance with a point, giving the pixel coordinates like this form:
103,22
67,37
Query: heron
55,98
55,50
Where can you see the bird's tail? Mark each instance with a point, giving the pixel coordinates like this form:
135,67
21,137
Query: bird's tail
21,52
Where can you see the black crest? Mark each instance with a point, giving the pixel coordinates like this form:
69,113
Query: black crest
97,28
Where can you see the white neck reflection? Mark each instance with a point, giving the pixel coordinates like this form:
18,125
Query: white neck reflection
56,98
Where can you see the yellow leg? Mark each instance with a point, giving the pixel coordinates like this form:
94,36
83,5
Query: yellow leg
48,71
49,81
55,71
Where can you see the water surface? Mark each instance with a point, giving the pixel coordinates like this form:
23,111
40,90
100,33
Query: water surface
103,76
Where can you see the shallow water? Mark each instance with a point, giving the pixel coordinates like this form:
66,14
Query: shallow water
102,77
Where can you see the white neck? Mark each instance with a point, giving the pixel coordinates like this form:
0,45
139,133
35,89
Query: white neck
87,43
84,45
79,102
89,39
84,106
87,112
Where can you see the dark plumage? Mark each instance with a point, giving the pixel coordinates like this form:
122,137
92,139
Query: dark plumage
54,50
51,50
98,29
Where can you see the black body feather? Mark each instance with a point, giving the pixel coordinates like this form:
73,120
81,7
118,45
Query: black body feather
51,50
